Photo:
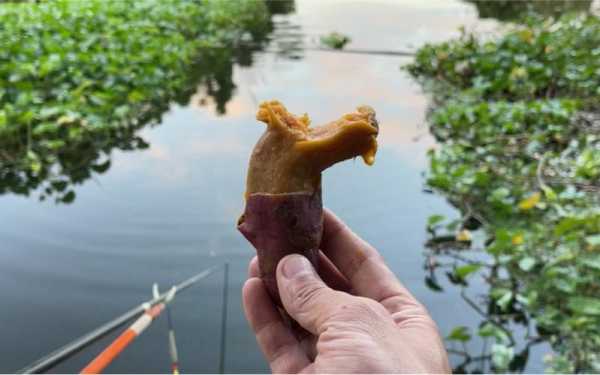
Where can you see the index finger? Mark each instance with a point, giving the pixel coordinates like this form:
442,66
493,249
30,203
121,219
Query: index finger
364,267
282,350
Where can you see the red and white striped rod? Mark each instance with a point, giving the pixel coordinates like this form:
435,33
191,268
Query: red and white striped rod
172,344
121,342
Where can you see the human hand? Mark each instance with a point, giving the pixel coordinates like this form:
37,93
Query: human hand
357,315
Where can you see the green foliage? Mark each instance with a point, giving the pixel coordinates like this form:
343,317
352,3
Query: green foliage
335,40
543,59
462,272
460,334
79,78
511,10
518,121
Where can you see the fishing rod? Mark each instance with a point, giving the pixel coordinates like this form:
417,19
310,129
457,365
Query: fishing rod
362,51
114,349
300,47
374,52
172,344
49,361
224,300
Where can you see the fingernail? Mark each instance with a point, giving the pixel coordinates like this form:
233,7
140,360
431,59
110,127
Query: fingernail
295,265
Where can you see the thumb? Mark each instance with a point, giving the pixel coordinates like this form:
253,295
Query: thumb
305,297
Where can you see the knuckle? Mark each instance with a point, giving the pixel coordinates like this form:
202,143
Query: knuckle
305,293
359,317
413,315
430,324
360,309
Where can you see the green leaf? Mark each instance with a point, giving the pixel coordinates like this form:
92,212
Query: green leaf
491,330
44,128
135,96
566,225
460,333
26,116
527,263
592,262
501,356
585,305
463,271
69,197
48,112
122,111
35,166
335,40
487,330
2,119
432,284
59,185
549,193
500,194
505,300
519,361
434,219
564,285
101,168
523,300
593,240
452,225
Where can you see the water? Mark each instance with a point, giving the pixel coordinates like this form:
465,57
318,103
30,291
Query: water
165,213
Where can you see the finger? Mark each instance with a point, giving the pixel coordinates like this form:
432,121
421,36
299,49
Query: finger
365,269
253,270
309,345
331,275
305,297
328,272
280,347
308,341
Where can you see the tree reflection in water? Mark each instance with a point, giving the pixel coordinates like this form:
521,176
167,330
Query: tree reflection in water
46,149
511,10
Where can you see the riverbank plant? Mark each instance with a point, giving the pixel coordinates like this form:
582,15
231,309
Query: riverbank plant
518,124
79,78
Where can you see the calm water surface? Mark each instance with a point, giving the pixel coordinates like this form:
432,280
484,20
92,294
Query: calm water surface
165,213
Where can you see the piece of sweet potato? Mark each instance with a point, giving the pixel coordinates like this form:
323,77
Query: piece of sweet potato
284,211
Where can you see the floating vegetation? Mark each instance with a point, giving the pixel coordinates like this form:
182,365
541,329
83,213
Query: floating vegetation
518,121
80,78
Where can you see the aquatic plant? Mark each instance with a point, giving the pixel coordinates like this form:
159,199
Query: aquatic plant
80,78
518,122
509,10
334,40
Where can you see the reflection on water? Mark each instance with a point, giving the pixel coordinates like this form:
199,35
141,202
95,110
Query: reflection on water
281,6
35,160
514,10
165,212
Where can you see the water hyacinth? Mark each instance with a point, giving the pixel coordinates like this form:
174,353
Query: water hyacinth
80,78
519,125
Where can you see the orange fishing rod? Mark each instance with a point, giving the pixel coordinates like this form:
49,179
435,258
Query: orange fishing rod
61,354
120,343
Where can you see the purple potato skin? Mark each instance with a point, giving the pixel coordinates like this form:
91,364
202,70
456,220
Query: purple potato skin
281,224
